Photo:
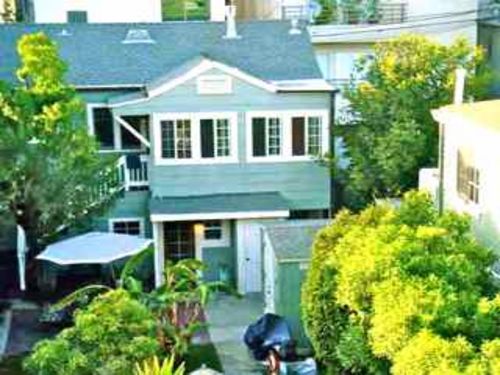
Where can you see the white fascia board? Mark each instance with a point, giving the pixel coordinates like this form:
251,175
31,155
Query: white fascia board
303,85
114,87
220,216
204,66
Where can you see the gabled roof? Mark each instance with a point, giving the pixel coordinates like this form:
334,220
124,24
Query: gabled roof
97,57
483,114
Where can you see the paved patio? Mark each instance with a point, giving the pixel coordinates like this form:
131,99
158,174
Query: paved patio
228,318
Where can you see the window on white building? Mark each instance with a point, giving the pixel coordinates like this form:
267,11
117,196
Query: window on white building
468,177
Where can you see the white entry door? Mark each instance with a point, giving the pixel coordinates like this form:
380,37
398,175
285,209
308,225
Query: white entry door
250,256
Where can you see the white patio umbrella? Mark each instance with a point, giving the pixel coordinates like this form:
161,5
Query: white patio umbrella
94,248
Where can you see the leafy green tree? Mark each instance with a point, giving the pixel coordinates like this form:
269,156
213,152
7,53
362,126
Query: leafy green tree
108,337
391,133
379,280
51,174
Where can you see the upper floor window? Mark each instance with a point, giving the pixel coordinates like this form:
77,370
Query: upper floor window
306,136
76,16
197,138
468,177
267,136
286,135
215,138
176,139
103,126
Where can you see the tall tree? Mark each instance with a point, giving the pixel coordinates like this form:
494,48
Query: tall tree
402,291
51,174
393,133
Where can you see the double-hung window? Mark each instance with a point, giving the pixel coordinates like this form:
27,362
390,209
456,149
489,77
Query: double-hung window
196,138
215,138
288,135
267,136
468,177
176,139
306,135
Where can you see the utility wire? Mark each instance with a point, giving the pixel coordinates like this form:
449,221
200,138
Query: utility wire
384,28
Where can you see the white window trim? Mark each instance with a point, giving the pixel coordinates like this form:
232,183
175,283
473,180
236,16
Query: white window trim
112,221
286,131
226,85
220,216
195,138
117,130
224,241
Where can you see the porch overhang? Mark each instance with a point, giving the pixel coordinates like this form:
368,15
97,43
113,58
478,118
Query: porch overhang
219,207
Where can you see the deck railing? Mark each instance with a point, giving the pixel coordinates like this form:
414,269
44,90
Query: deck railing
133,178
381,13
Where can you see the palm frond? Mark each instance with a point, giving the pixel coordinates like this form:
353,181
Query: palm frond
80,294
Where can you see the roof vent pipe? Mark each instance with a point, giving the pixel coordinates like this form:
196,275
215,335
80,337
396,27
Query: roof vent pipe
460,74
294,29
231,32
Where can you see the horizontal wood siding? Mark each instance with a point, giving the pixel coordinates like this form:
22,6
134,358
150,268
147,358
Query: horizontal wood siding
288,299
130,205
304,184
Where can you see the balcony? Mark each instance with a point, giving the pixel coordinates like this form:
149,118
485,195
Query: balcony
381,13
133,172
352,13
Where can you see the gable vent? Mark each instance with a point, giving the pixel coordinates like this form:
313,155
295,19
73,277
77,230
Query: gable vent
138,36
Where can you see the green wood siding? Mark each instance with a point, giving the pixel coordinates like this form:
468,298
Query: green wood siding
304,184
130,204
287,298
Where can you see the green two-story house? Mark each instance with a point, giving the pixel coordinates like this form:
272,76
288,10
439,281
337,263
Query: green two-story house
218,127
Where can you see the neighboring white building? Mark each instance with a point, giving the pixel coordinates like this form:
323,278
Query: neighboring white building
340,44
470,135
261,9
98,11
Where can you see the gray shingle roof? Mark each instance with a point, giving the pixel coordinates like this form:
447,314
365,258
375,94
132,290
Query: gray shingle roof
96,55
292,240
218,203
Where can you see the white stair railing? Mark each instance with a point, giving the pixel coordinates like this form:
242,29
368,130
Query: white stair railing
133,177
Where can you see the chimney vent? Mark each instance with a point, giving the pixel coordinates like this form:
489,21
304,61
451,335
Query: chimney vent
231,32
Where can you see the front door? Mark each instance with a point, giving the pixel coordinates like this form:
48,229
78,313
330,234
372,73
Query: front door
179,240
249,239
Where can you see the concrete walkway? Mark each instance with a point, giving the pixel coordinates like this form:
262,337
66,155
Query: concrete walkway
228,318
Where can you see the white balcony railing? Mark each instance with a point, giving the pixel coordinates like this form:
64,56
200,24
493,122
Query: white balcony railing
133,178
